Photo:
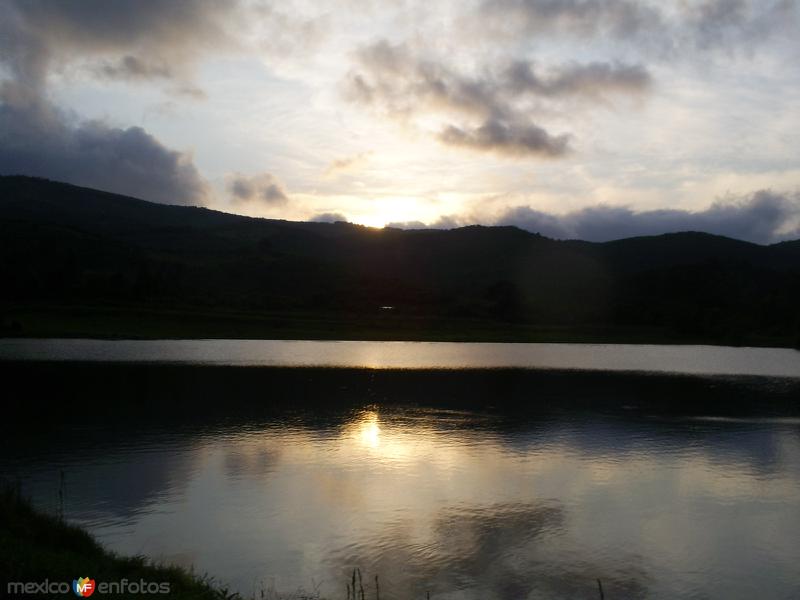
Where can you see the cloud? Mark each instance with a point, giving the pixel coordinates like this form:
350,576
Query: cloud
329,217
125,39
505,138
591,80
289,34
764,217
735,24
39,139
263,188
161,38
135,70
667,28
491,110
347,163
130,67
621,18
443,222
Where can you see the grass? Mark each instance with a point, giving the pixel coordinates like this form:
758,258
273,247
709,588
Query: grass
35,547
38,547
136,322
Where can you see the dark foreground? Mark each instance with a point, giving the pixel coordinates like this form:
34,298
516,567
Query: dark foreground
35,547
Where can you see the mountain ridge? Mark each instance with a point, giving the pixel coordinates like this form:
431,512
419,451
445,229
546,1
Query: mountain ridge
13,184
67,246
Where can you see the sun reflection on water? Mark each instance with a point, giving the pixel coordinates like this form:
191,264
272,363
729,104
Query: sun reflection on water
387,442
369,429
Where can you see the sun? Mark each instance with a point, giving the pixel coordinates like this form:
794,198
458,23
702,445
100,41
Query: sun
395,209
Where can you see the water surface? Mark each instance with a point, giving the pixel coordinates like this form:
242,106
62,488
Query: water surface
719,360
466,504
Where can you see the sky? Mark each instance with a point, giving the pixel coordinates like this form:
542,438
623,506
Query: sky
591,119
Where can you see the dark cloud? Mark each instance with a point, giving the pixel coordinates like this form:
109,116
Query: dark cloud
494,109
412,225
35,35
39,139
393,76
765,217
736,24
443,222
329,217
263,188
121,39
505,138
686,26
590,80
581,17
393,79
130,67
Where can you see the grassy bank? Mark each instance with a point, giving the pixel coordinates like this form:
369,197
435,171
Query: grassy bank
35,547
116,394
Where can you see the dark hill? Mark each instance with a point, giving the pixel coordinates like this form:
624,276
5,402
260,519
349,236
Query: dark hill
76,261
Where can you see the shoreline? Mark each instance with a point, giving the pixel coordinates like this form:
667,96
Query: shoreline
39,549
68,391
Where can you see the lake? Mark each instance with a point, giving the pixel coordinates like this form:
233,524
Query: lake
718,360
500,483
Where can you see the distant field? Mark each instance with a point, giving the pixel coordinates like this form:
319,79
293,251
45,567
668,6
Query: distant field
145,323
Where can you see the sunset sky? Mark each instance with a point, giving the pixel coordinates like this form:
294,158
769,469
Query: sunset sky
595,119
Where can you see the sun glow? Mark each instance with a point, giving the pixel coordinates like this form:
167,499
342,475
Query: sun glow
387,443
370,430
399,209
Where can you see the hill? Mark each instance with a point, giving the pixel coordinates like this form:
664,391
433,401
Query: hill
76,261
